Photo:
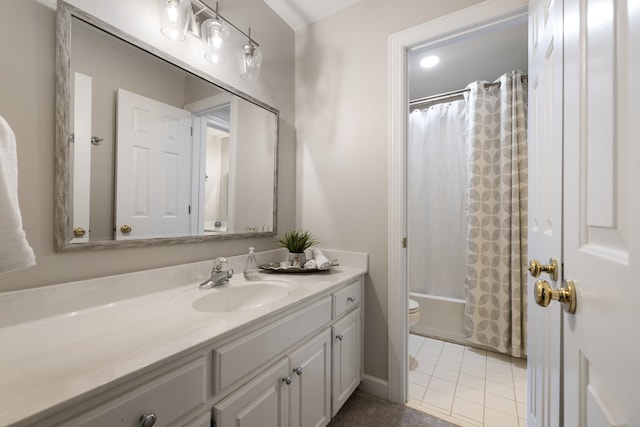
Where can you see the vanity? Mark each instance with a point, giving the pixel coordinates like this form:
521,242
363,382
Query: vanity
180,357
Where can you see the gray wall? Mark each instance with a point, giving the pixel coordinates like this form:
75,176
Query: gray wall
27,102
342,109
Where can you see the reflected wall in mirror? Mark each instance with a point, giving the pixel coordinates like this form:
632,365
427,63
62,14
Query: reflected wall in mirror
149,150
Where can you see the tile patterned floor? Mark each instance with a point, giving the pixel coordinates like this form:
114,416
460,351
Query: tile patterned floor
466,386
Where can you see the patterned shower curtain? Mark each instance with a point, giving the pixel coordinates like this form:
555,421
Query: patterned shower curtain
495,306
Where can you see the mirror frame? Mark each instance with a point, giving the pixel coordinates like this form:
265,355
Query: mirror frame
63,199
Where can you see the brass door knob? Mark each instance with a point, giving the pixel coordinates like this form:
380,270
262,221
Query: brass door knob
535,268
566,294
79,232
126,229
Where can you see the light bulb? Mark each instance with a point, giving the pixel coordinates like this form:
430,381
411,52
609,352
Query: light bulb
215,36
250,57
172,11
429,61
174,15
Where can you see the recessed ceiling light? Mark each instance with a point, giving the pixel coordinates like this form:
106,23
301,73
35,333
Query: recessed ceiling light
429,61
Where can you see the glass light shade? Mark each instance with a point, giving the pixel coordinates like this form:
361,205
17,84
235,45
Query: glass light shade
174,17
215,37
250,57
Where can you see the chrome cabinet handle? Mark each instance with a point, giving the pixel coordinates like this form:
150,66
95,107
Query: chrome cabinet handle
148,419
298,370
339,337
287,380
351,299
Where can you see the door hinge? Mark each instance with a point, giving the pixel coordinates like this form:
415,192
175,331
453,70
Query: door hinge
404,242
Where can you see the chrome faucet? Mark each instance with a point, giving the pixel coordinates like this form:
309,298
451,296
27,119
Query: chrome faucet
219,274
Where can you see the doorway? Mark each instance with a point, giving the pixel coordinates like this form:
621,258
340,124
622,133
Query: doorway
463,24
451,376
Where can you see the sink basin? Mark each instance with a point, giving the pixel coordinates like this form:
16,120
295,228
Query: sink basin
237,296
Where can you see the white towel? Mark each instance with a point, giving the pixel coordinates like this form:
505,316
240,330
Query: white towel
311,264
15,252
321,260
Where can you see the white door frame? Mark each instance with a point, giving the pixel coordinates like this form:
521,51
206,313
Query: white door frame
465,21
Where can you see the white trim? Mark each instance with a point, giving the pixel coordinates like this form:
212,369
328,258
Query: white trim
374,385
465,21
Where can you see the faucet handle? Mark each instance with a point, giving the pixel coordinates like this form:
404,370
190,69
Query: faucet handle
220,264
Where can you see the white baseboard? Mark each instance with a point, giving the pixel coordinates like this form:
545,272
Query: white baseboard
375,386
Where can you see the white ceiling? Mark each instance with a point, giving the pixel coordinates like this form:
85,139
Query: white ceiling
300,13
485,56
464,60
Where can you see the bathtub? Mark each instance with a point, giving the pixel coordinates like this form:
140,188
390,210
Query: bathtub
440,317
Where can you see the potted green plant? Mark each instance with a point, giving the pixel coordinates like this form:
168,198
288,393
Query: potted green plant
296,242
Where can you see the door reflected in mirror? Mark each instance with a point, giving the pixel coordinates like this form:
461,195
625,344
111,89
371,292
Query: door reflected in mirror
154,149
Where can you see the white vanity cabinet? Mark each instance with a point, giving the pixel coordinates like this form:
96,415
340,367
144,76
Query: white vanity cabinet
347,356
263,401
347,343
167,399
295,367
311,382
296,391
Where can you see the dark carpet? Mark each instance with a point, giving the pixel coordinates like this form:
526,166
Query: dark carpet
365,410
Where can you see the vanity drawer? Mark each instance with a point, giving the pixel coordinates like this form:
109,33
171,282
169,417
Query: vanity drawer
169,397
237,359
347,298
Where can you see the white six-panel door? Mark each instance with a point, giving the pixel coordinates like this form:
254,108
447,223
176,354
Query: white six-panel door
602,211
153,178
545,207
599,115
82,95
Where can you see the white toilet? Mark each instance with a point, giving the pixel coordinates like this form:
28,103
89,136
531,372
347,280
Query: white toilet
414,312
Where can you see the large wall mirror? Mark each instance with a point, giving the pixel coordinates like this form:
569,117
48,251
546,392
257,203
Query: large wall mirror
150,150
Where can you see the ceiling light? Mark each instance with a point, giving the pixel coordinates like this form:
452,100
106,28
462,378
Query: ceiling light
429,61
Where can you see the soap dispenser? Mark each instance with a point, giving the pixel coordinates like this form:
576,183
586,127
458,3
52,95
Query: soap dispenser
251,271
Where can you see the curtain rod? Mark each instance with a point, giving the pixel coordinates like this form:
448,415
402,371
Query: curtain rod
450,95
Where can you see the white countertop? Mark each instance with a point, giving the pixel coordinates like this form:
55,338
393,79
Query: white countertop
47,362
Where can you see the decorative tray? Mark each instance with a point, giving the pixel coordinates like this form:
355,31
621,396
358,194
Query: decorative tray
276,268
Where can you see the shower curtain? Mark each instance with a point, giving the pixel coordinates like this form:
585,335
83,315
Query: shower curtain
436,185
495,306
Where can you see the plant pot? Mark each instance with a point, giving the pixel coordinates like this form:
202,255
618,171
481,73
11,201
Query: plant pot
297,259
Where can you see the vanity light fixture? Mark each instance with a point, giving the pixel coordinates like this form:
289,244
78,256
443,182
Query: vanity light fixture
215,36
194,16
250,57
174,16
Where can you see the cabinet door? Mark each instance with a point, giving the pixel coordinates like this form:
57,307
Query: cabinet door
347,350
311,386
203,420
262,402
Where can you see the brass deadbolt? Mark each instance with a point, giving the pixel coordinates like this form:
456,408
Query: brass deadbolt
535,268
